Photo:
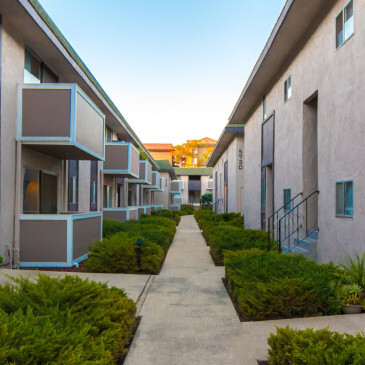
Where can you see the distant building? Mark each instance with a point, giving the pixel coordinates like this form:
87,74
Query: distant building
193,153
195,182
160,151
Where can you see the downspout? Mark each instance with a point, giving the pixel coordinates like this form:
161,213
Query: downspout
14,255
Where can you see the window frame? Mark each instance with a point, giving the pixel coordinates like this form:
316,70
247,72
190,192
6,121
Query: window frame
342,13
286,90
344,215
289,202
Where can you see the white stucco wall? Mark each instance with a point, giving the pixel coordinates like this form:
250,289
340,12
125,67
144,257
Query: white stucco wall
235,177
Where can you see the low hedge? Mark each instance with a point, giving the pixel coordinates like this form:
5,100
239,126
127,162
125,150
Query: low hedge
310,347
186,210
269,285
223,237
171,214
117,254
63,321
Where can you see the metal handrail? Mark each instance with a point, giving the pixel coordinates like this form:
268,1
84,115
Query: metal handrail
291,228
278,210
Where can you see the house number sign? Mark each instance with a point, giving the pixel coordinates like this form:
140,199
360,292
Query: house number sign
240,159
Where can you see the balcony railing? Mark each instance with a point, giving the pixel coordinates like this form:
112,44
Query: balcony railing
57,240
175,187
210,184
121,214
155,181
177,199
121,159
60,120
145,174
194,185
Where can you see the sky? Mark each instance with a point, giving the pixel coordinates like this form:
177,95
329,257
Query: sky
174,68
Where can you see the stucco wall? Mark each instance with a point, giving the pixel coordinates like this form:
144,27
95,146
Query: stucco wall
12,74
235,178
163,198
339,78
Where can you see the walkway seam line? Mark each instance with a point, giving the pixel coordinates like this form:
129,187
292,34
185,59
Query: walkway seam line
142,297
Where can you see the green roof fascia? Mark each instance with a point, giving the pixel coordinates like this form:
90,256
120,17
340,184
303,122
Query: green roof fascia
182,171
55,30
165,164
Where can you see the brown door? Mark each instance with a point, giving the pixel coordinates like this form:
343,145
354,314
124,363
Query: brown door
48,193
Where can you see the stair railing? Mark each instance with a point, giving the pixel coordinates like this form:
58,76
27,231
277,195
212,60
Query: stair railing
274,217
291,224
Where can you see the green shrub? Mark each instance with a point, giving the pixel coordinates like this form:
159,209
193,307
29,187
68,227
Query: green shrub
117,254
186,210
354,269
110,227
223,237
309,347
174,215
206,198
269,285
63,321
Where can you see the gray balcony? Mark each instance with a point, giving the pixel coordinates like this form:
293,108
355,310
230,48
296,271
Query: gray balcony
121,160
177,199
145,174
57,240
194,185
175,187
60,120
121,214
155,185
161,185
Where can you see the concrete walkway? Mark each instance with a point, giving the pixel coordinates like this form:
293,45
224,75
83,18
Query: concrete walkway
189,319
134,285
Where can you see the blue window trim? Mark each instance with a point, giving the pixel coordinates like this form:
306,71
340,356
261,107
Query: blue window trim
289,202
352,202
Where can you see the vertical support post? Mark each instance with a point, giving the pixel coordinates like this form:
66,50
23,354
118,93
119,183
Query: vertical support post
280,235
17,202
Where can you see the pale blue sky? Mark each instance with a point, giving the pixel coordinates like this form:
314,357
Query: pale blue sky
174,68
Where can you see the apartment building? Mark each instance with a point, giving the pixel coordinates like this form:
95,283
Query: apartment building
227,163
161,151
165,197
195,182
57,171
302,110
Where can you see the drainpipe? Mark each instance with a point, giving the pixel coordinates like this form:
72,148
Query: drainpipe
18,191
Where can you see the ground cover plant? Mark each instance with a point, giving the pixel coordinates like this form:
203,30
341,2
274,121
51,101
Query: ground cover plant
172,214
63,321
309,347
186,210
269,285
117,252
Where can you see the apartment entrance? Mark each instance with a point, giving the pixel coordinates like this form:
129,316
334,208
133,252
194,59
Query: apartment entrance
310,159
194,189
267,169
39,192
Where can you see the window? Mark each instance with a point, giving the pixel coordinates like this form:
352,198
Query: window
287,88
39,192
345,24
264,107
287,200
108,196
94,186
344,199
73,185
36,72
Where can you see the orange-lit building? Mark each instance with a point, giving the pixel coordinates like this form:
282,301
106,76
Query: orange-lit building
161,151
